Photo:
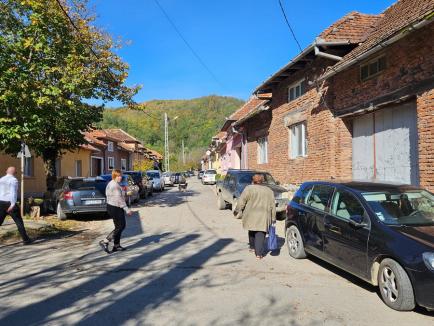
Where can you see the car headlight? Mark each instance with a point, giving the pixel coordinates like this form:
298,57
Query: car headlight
428,258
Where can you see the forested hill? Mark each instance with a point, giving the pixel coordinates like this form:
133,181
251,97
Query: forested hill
198,120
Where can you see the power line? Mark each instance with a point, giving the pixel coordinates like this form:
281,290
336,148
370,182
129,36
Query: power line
188,44
289,25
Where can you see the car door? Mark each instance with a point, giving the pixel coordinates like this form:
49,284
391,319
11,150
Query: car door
314,210
345,244
226,187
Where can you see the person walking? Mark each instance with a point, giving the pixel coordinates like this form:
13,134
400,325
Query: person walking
116,209
257,208
8,202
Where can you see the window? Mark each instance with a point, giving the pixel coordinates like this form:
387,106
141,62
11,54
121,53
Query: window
58,167
298,140
346,205
263,150
302,194
296,90
319,197
111,163
110,146
123,164
372,68
28,167
78,168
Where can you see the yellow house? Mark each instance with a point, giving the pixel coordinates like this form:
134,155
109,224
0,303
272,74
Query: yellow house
73,164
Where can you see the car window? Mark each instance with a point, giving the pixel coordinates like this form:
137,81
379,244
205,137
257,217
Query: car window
319,197
211,172
302,194
345,205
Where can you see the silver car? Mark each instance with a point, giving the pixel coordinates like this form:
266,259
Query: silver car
157,179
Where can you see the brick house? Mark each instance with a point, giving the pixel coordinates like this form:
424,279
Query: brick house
294,134
384,99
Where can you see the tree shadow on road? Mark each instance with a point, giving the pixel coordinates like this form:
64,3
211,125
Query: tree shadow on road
170,198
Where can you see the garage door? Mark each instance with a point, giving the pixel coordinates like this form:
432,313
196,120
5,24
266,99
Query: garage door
385,145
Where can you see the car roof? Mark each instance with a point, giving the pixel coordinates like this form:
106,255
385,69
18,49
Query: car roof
368,186
246,171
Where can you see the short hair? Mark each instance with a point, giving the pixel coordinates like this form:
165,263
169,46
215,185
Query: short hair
116,173
258,179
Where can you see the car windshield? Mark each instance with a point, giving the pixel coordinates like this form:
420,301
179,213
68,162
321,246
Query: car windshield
211,172
84,184
403,208
154,175
246,178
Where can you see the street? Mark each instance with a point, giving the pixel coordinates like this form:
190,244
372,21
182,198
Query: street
187,263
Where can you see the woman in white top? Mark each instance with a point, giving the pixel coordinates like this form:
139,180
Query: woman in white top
116,209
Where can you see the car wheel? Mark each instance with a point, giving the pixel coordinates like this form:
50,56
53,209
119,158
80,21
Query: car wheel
59,212
395,286
221,204
294,243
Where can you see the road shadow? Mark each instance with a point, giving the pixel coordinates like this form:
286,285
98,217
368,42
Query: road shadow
170,198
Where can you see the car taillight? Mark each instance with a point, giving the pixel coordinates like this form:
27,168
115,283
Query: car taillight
67,195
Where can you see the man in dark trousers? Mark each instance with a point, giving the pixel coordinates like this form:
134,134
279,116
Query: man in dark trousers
8,202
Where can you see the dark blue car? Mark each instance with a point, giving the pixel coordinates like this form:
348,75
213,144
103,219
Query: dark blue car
381,233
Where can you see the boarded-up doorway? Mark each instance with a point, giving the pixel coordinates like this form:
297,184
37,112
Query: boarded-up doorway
385,145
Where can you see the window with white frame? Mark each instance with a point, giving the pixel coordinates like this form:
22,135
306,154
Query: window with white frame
298,143
78,168
296,90
262,150
123,164
111,163
110,146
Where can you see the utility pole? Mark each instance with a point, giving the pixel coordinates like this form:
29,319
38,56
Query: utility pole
183,152
23,152
166,143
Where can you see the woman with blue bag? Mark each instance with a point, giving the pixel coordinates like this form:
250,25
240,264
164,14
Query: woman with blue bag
257,208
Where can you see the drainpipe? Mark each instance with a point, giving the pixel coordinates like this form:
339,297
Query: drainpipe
318,42
333,71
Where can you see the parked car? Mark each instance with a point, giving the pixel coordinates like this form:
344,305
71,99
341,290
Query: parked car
128,185
230,189
157,179
209,177
74,196
169,179
142,181
381,233
200,174
179,178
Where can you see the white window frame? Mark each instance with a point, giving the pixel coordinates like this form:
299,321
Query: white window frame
76,168
123,164
110,158
294,149
262,150
294,88
110,146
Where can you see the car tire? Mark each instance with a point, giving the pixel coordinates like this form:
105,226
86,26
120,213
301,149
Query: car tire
221,204
395,286
60,213
294,242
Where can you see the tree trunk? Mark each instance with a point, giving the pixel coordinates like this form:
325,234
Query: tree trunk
50,169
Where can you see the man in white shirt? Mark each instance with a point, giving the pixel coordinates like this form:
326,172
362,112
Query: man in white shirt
8,202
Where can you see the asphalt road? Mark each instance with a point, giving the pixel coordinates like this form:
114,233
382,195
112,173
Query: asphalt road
187,263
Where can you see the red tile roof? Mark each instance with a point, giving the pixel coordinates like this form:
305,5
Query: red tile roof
353,27
393,20
250,105
157,155
122,135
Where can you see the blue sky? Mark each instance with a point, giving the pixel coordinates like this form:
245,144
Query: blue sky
241,41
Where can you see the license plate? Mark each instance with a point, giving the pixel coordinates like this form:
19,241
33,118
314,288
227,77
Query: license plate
92,202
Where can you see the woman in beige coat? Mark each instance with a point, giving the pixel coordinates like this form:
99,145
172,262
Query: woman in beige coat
257,208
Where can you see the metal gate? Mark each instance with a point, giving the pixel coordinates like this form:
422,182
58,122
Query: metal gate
385,145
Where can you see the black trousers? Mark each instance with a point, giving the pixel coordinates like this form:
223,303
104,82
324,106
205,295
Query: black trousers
256,241
118,216
16,216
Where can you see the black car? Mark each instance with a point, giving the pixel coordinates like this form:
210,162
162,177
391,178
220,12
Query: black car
230,189
74,196
179,178
142,181
381,233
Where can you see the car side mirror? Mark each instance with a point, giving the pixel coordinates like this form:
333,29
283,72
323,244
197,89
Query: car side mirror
357,221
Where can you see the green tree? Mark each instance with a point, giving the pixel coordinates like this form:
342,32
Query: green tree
53,62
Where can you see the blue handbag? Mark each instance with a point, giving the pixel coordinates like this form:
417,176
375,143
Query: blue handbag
272,238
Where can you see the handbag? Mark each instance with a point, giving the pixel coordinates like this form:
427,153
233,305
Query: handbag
272,238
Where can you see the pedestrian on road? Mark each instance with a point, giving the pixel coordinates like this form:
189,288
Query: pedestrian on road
258,211
116,209
8,202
